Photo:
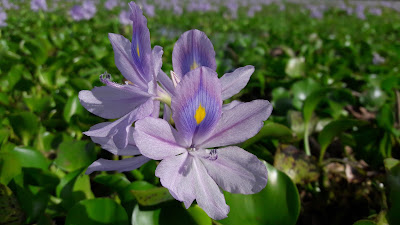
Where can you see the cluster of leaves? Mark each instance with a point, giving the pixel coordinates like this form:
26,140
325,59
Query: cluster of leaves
334,129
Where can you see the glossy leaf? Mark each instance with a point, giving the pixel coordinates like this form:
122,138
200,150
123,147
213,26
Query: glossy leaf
277,203
97,211
73,155
270,130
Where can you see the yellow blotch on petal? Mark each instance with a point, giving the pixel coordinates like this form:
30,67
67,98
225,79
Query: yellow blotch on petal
137,50
200,114
194,65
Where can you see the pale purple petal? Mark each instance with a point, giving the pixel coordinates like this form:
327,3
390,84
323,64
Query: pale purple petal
110,102
118,165
108,144
174,175
141,47
156,109
239,124
118,130
187,179
230,105
236,170
197,104
157,59
233,83
192,50
208,195
124,60
166,82
167,113
156,138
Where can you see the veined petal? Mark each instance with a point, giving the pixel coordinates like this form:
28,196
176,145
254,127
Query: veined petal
230,105
197,103
166,82
124,60
141,47
174,175
157,59
118,130
236,170
193,50
155,138
108,144
119,165
233,83
208,195
111,102
239,124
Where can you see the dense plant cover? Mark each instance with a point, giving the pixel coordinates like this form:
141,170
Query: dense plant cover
331,146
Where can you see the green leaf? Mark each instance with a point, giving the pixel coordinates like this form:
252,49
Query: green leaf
73,188
385,117
302,90
277,203
150,196
142,217
332,130
9,167
13,76
193,215
270,130
73,107
364,222
295,67
97,211
73,155
25,125
30,158
116,182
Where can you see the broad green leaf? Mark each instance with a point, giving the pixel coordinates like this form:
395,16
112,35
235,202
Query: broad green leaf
270,130
116,182
10,167
72,107
295,67
25,125
364,222
73,155
73,188
149,196
193,215
143,217
97,211
385,117
277,203
333,129
31,158
13,76
302,90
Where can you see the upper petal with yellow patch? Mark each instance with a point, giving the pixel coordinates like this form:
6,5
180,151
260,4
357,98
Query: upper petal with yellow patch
191,51
197,104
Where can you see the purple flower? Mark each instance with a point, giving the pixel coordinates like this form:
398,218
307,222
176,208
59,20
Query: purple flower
375,11
3,17
377,59
191,167
136,99
360,11
110,4
124,17
84,12
37,5
149,10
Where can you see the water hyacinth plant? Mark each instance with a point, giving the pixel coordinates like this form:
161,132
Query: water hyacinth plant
192,100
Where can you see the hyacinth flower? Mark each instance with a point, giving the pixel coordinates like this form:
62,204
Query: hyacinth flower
3,18
37,5
194,49
139,97
192,168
